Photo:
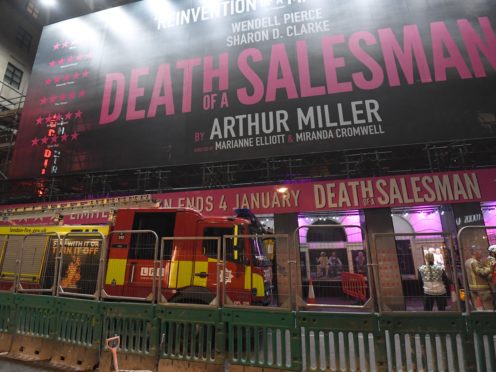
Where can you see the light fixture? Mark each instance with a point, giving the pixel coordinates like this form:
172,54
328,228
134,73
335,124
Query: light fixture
282,189
47,3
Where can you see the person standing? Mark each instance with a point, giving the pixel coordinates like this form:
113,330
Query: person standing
433,280
335,264
322,265
488,272
361,263
478,283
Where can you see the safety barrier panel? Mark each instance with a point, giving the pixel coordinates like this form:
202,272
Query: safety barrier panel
6,308
483,328
321,267
354,285
37,245
477,267
70,278
263,338
191,334
78,322
34,315
432,342
144,245
136,325
344,342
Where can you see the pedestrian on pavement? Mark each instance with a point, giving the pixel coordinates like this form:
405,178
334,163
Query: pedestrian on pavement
434,281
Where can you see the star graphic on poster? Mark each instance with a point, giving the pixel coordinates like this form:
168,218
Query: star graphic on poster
82,93
78,114
48,81
61,61
74,136
76,75
56,46
39,120
56,117
70,59
44,140
52,63
53,139
85,73
79,57
43,101
56,79
48,119
62,97
67,77
34,142
63,137
68,116
53,98
72,95
65,44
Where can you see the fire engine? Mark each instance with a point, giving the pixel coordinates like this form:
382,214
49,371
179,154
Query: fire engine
175,250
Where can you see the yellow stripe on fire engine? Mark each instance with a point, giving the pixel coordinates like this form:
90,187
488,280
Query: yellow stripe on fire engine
26,230
3,248
116,271
180,274
254,281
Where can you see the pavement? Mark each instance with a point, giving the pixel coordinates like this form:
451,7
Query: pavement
10,365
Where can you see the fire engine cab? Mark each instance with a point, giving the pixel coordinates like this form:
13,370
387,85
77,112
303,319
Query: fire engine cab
186,263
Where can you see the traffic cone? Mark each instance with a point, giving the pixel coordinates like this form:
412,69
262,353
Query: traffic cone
311,294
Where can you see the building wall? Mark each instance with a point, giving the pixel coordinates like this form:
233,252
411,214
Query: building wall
13,15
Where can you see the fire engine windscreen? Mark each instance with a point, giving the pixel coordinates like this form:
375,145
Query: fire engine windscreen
259,250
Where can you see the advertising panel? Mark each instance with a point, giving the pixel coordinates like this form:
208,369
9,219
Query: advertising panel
158,83
80,263
359,193
457,188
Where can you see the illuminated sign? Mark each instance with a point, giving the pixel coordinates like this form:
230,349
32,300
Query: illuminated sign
158,83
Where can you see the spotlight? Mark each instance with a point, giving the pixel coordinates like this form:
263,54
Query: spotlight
47,3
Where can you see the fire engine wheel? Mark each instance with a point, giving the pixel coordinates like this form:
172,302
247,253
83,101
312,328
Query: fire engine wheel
193,295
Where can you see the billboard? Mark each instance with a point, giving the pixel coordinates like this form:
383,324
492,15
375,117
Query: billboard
80,264
158,83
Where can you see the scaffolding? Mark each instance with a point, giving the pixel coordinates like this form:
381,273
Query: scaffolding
421,158
11,103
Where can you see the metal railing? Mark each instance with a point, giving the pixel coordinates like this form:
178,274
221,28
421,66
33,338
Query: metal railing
292,338
95,247
42,246
367,305
150,246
